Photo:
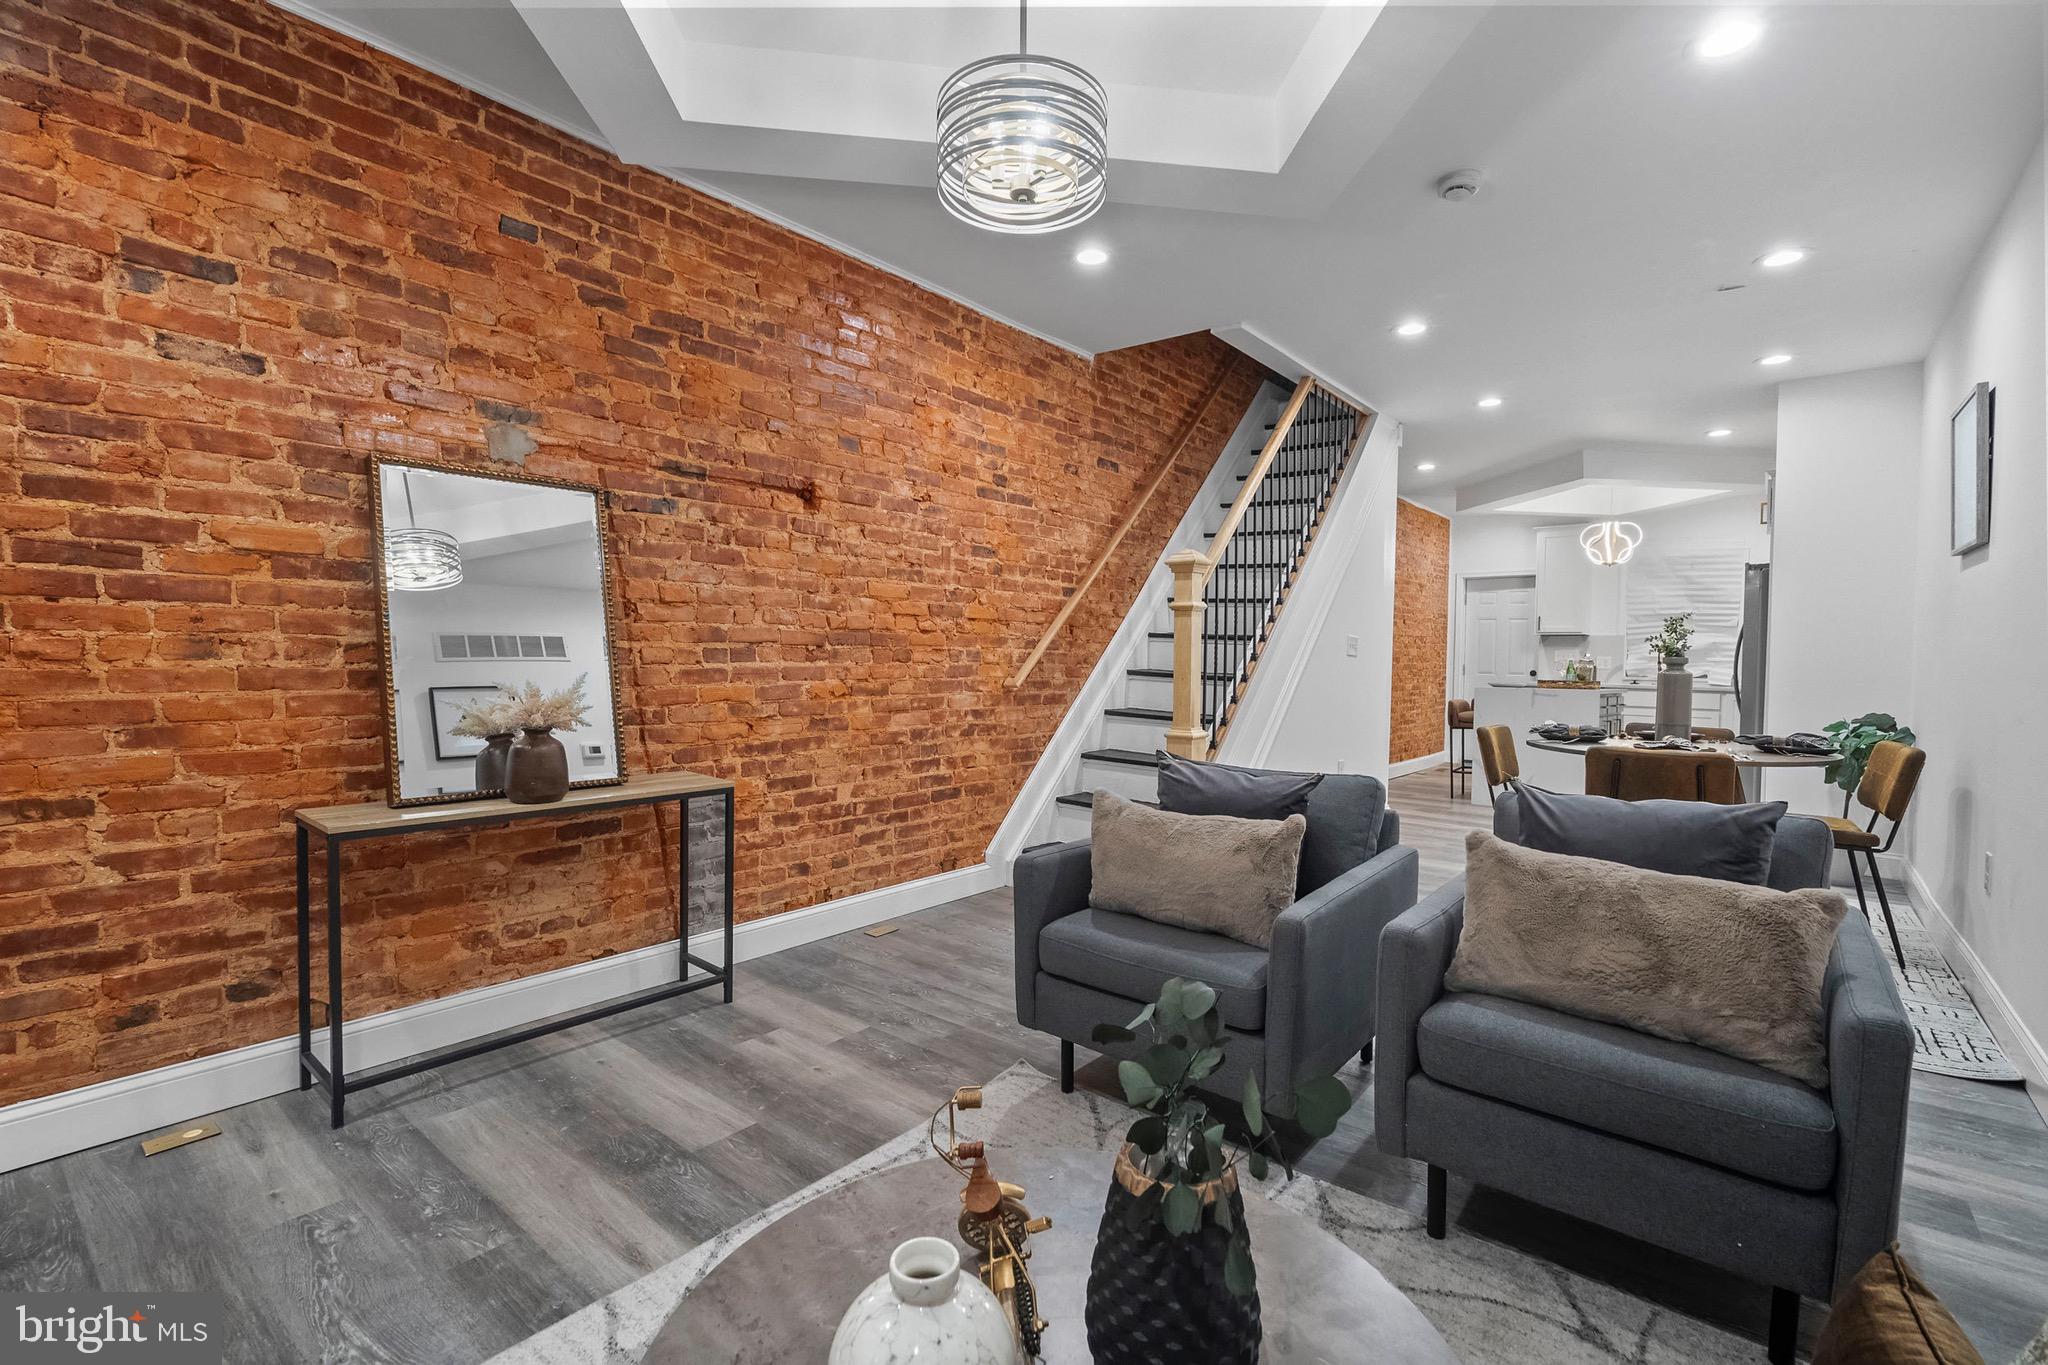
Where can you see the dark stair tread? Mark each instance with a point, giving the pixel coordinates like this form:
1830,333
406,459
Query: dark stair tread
1086,800
1318,421
1229,563
1206,635
1168,673
1130,757
1145,713
1264,501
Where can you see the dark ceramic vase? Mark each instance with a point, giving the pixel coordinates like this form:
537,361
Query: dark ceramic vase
537,769
1156,1299
491,761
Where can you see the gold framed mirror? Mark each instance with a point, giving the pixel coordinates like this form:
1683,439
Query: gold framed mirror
489,581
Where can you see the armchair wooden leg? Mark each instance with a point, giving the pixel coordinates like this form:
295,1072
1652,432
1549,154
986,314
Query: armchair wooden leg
1783,1341
1437,1195
1066,1067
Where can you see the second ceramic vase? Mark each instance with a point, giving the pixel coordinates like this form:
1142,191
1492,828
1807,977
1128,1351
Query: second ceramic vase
491,761
925,1308
537,769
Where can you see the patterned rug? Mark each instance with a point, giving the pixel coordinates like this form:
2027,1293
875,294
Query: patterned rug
1950,1037
1494,1305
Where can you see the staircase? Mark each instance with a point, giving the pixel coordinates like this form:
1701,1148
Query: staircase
1265,516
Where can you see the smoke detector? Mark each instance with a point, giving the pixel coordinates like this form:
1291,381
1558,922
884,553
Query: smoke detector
1458,186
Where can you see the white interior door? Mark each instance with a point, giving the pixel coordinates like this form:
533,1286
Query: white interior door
1499,642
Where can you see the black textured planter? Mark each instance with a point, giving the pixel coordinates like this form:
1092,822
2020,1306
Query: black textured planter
1158,1299
537,769
491,762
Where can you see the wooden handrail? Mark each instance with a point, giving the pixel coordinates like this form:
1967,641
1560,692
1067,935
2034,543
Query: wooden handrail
1066,611
1257,477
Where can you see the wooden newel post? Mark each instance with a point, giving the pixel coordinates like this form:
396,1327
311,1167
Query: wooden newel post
1187,737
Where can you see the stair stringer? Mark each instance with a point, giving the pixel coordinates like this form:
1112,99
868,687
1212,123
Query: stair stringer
1030,818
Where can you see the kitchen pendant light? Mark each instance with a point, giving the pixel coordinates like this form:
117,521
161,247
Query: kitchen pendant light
1023,142
1608,543
418,558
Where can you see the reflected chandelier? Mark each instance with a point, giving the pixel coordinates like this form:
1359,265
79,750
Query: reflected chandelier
418,558
1023,143
1608,543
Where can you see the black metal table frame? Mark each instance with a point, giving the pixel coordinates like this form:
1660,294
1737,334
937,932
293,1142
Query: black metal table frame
335,1078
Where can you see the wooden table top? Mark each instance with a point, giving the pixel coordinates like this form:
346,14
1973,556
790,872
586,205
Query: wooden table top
374,817
1743,754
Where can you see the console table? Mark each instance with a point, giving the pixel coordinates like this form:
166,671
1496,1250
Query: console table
342,825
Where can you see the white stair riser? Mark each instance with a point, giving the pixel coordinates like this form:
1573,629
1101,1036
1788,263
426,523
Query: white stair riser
1071,822
1155,693
1139,784
1126,732
1158,653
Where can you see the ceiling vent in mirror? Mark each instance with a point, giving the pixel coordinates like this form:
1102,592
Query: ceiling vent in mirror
466,646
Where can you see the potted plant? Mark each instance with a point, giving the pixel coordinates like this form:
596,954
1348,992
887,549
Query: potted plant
1856,738
1672,643
1172,1276
489,721
537,766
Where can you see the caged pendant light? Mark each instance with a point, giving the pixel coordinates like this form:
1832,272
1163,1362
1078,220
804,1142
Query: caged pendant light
418,558
1023,141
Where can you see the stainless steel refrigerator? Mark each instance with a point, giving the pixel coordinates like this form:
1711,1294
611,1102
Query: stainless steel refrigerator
1752,643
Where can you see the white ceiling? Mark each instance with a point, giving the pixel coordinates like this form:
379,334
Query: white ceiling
1602,283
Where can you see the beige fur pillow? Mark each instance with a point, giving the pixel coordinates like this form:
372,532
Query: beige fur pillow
1728,966
1212,872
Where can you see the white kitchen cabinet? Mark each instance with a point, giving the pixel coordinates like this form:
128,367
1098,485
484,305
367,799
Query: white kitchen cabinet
1564,583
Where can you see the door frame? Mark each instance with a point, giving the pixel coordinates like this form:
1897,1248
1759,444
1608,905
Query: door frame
1456,653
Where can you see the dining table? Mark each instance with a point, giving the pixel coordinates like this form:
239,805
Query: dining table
1745,756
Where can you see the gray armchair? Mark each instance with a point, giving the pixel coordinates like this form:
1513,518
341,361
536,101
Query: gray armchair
1711,1157
1292,1012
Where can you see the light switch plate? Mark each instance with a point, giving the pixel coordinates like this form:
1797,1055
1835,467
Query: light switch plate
1987,871
1351,645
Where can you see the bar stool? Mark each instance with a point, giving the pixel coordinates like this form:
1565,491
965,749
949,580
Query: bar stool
1885,791
1497,755
1457,722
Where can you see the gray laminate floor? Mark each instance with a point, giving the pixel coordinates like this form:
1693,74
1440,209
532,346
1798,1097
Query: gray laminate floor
462,1210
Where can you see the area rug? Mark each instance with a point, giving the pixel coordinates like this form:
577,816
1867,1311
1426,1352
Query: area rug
1950,1038
1492,1304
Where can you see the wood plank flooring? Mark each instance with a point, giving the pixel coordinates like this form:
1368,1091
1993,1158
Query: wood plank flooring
464,1209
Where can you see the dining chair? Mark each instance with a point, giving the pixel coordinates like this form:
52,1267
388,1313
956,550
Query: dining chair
1889,777
1497,756
1662,775
1458,723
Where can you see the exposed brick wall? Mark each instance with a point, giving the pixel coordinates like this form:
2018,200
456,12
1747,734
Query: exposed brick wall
240,254
1422,584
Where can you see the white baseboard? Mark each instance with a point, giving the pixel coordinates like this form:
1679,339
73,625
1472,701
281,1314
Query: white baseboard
37,1130
2013,1035
1416,765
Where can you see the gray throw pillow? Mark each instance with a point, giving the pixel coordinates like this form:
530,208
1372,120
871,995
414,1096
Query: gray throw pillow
1344,810
1689,838
1215,873
1734,968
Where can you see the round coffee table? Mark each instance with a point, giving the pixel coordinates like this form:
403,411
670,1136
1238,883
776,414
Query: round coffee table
779,1296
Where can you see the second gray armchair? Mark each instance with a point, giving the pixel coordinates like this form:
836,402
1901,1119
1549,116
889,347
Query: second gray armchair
1298,1010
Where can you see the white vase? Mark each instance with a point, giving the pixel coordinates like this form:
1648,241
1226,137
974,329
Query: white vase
925,1311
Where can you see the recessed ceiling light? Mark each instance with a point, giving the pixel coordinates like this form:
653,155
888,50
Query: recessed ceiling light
1492,400
1782,257
1424,467
1413,327
1775,358
1726,37
1090,255
1718,432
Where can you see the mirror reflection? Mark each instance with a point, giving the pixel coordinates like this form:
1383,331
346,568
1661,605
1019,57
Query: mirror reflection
491,586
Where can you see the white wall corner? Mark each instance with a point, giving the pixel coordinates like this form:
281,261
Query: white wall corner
1076,732
1416,765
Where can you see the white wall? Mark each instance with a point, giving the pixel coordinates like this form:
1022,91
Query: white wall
1842,635
1980,621
1336,717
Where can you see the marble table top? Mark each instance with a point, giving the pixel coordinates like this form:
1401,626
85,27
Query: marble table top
779,1296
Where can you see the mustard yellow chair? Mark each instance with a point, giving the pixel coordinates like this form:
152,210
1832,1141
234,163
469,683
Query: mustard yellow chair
1885,791
1497,756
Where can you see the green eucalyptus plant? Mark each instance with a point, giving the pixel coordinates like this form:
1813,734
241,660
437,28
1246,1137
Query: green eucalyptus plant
1177,1142
1675,639
1856,738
